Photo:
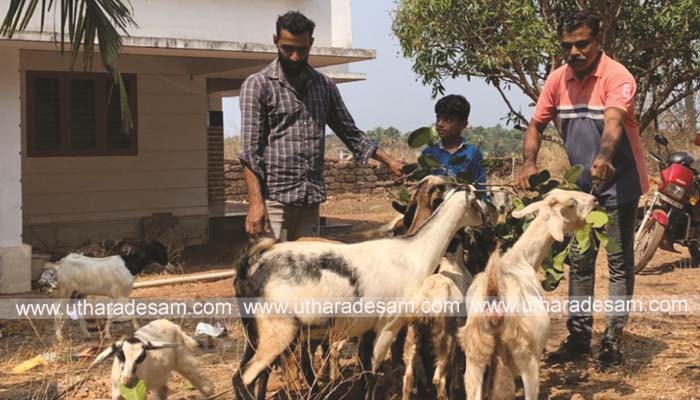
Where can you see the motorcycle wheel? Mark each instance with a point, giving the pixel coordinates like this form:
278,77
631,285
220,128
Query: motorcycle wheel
644,248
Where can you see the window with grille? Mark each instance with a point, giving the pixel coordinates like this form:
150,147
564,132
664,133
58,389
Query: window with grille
78,114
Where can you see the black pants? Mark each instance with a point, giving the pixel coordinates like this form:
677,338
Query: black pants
620,229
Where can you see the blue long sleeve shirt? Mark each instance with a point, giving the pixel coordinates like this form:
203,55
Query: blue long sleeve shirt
472,164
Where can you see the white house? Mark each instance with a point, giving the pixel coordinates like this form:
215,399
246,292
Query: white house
68,174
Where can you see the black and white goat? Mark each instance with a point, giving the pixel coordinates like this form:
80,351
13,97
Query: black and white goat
150,355
296,272
77,275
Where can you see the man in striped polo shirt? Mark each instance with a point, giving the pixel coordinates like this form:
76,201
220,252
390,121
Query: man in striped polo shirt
592,97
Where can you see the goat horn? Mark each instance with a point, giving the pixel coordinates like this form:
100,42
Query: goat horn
530,209
102,356
160,345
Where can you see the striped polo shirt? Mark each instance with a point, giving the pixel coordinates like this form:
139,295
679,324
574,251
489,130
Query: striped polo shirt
580,105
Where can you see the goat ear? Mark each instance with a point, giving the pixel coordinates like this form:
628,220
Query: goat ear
529,209
555,222
399,207
109,351
159,345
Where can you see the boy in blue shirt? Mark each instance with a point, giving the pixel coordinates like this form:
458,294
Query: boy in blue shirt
452,117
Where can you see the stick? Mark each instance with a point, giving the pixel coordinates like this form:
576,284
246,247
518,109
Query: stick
182,279
219,394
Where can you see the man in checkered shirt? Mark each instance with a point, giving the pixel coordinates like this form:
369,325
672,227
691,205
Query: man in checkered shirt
284,111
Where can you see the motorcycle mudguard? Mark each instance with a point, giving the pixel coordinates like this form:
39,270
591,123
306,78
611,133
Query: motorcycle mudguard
661,217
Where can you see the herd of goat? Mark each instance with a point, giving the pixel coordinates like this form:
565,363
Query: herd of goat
422,258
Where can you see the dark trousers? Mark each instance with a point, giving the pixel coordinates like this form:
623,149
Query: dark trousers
620,229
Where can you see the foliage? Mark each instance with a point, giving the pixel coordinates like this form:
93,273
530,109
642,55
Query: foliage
513,43
509,231
232,146
493,141
137,391
84,20
496,141
390,139
427,164
553,264
385,137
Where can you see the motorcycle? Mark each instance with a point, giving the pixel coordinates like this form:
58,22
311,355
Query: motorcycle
668,218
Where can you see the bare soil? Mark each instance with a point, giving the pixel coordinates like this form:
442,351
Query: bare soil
662,352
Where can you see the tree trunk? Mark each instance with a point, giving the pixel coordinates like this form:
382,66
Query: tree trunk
690,113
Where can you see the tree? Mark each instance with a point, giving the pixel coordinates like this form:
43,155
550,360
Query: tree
495,141
514,43
389,135
84,20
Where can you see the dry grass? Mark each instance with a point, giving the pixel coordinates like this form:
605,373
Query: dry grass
662,351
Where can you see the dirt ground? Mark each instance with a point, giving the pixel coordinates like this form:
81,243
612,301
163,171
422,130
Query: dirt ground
662,352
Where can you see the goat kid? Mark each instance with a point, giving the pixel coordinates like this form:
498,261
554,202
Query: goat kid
322,271
150,355
448,284
77,276
425,196
516,341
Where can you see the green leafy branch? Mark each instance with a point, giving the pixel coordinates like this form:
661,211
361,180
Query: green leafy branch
509,231
596,221
427,164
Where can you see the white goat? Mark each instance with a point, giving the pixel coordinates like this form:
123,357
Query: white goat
295,272
449,284
113,276
150,355
516,341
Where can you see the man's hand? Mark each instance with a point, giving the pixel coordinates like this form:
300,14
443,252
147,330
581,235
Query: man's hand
531,146
393,165
256,221
602,169
527,170
395,168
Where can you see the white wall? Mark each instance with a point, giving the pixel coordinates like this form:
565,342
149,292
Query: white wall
231,20
341,23
10,161
169,173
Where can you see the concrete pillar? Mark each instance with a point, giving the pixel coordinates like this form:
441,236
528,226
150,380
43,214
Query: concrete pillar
15,258
341,23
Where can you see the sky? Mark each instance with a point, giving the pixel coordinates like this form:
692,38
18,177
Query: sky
392,95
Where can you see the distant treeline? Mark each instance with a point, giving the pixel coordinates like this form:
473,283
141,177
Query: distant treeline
495,141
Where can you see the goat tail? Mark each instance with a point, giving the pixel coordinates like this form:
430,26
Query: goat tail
494,311
187,340
254,250
261,245
50,265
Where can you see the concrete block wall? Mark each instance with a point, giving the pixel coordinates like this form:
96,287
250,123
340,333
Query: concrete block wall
339,176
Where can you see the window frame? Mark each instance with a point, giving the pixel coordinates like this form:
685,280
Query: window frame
101,83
